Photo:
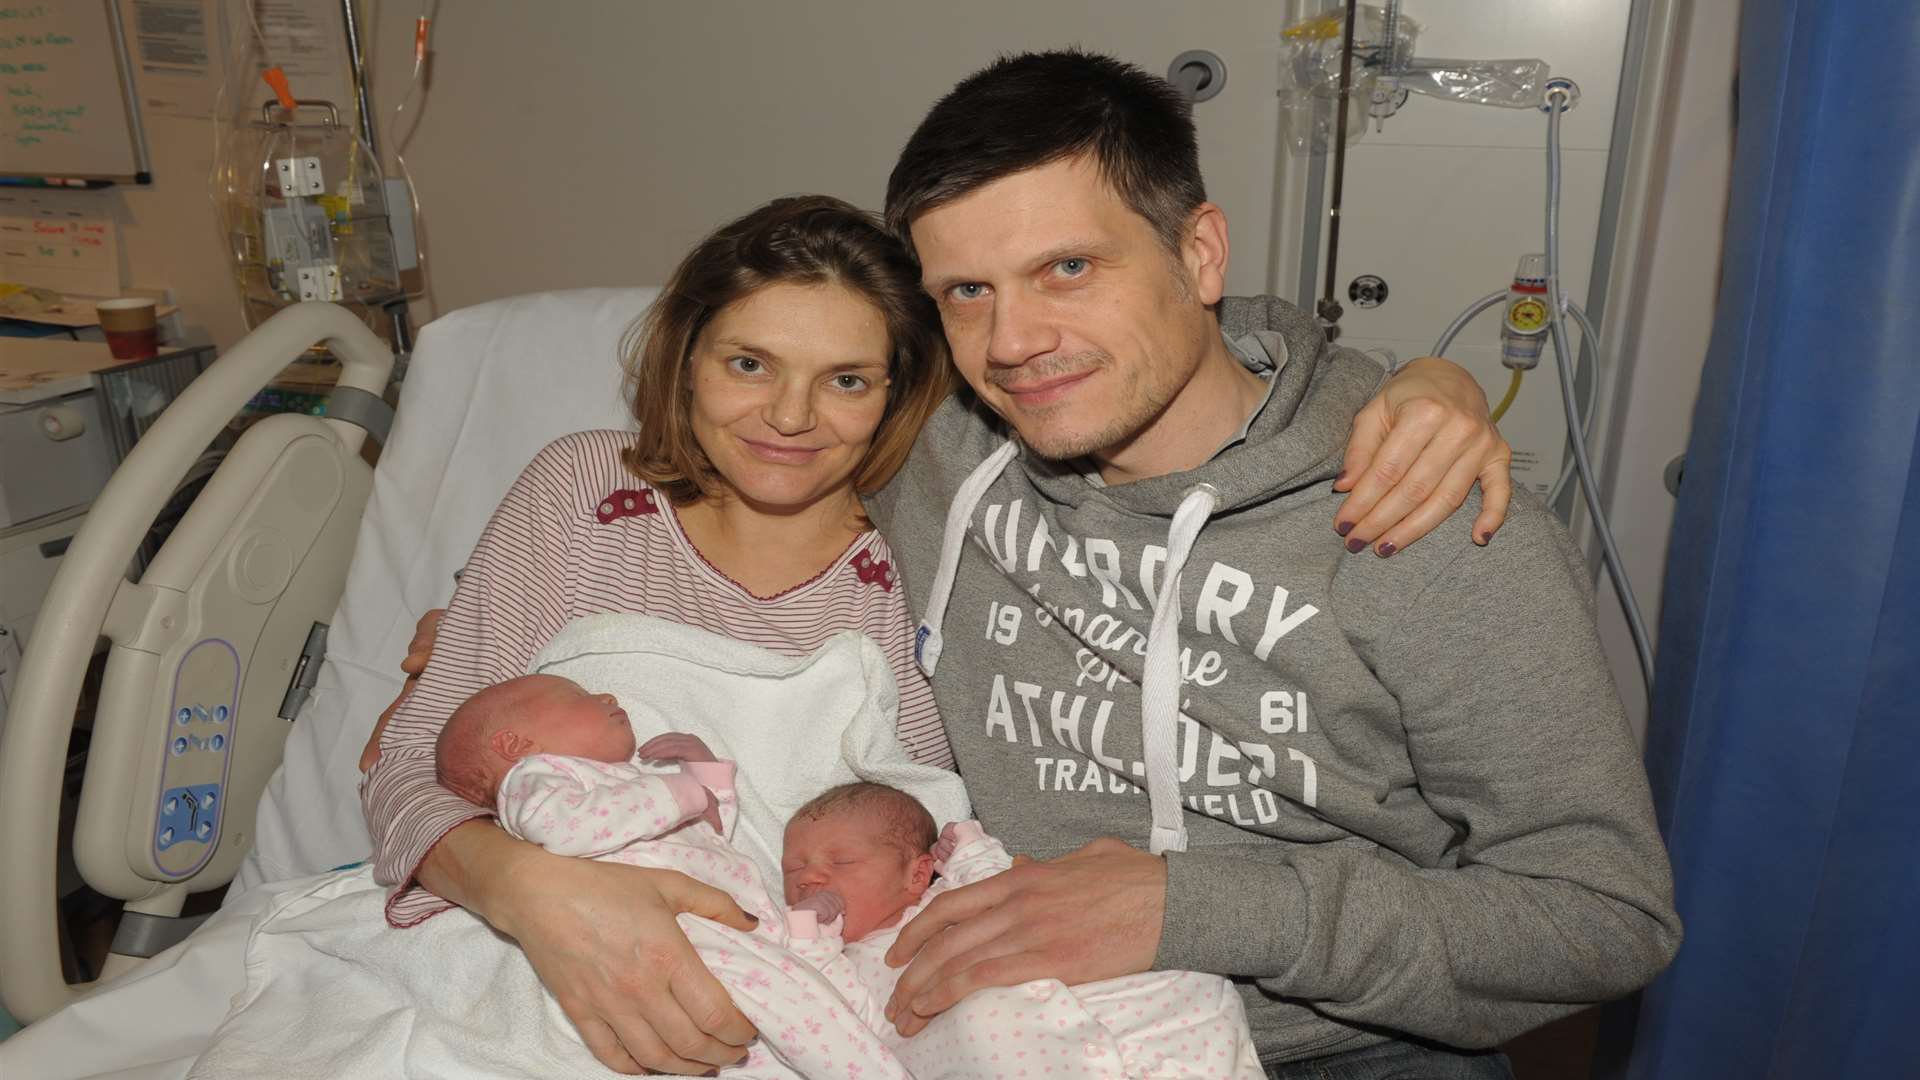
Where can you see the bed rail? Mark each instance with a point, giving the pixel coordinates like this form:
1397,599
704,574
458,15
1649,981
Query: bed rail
202,648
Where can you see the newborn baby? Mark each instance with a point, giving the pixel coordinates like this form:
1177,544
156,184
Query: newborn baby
874,846
559,765
561,744
864,848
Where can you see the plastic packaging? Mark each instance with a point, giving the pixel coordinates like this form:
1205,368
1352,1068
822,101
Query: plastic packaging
298,193
1310,74
1510,84
1382,76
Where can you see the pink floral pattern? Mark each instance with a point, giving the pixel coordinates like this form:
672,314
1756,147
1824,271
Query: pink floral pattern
874,571
626,503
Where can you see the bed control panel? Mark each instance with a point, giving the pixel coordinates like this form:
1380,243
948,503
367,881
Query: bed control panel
187,813
193,770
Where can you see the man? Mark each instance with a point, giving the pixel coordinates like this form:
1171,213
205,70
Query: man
1394,796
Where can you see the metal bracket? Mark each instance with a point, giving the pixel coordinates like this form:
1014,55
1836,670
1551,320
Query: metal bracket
369,412
321,282
298,176
305,673
142,935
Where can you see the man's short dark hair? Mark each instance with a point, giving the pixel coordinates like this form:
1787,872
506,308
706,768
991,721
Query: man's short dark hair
1034,109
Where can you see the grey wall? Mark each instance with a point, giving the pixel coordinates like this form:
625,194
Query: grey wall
591,143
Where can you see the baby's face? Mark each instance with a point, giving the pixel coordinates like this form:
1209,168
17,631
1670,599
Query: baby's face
850,853
564,719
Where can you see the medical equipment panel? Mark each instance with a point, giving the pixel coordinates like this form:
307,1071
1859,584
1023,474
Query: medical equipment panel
55,454
194,765
285,517
29,557
68,415
305,212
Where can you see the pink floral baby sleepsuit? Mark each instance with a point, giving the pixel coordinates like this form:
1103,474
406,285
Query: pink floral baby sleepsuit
595,809
1154,1025
817,1001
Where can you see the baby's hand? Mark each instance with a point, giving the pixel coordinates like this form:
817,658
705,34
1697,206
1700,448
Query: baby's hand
676,746
826,904
951,837
949,840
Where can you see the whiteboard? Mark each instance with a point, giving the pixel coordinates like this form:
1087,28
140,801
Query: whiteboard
64,106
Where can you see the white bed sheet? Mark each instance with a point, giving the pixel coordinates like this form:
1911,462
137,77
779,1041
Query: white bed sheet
489,386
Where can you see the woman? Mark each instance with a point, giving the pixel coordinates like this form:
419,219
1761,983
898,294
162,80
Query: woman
783,373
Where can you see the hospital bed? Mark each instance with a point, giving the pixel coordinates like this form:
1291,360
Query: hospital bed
210,644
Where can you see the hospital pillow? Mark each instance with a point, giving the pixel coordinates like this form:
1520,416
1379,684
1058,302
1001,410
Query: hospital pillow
488,387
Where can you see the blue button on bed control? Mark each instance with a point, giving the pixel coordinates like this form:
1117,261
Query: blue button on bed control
220,714
179,746
185,715
187,815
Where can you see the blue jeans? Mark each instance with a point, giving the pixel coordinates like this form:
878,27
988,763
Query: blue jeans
1397,1061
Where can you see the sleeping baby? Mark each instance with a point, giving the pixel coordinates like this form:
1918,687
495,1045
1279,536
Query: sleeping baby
562,769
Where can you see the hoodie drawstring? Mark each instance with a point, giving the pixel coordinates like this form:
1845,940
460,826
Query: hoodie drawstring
1160,682
926,641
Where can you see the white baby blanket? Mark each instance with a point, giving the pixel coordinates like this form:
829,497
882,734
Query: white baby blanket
332,991
794,725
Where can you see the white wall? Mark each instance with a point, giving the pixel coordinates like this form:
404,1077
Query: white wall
593,143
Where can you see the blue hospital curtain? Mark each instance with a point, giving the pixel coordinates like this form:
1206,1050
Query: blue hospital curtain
1784,744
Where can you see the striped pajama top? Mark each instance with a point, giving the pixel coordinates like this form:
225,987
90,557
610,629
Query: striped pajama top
579,535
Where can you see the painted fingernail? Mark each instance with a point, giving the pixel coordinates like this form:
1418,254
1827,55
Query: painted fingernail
1342,478
1343,528
1356,545
1485,537
1386,548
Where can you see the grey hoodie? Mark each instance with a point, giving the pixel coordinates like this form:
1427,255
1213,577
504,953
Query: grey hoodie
1396,793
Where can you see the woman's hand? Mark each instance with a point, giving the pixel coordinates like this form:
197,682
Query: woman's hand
418,650
1414,455
603,939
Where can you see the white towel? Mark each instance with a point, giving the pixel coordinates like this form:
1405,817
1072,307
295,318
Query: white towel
795,725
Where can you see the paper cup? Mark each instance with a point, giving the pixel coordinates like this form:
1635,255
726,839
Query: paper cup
132,331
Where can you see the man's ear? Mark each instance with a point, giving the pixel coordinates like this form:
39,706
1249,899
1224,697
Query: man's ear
920,873
511,745
1203,252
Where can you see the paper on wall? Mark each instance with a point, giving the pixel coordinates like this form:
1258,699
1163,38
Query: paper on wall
69,244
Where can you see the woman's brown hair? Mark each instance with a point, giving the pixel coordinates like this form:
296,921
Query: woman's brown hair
802,240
